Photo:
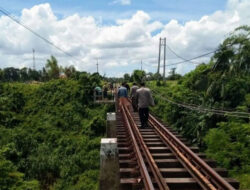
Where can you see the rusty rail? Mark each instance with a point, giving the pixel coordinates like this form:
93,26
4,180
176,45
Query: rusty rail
143,169
202,173
150,160
207,177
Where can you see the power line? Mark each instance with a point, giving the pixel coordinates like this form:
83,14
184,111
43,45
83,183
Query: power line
6,13
197,57
189,60
205,110
214,109
170,49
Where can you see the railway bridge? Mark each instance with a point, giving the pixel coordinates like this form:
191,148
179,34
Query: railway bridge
154,158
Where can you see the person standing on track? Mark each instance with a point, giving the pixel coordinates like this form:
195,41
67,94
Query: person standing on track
133,96
98,93
144,99
127,86
122,91
122,95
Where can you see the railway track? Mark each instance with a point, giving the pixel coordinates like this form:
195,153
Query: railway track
158,158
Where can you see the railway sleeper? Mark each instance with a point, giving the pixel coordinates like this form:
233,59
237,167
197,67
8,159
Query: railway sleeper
173,183
175,163
179,183
127,163
124,150
171,155
168,150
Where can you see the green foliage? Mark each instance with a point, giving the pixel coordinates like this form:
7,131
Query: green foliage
11,179
52,67
50,132
69,71
127,77
52,70
233,56
138,76
229,144
243,178
223,84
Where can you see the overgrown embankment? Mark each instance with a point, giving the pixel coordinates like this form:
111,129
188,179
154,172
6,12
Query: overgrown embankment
50,134
211,105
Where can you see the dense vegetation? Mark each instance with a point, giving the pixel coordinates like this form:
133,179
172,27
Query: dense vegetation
50,130
51,71
50,134
223,84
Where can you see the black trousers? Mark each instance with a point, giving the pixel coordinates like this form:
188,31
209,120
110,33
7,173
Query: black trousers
134,104
143,113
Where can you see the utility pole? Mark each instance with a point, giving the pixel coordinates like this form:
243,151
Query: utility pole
97,69
162,43
159,58
164,61
141,65
34,60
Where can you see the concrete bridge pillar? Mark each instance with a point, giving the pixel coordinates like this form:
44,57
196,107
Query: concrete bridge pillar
109,169
111,125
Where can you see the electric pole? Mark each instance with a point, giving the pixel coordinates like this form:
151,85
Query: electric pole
141,65
164,61
159,58
34,60
97,69
162,43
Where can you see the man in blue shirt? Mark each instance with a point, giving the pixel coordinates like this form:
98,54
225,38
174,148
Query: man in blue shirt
123,92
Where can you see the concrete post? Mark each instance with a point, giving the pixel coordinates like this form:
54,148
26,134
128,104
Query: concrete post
109,171
111,125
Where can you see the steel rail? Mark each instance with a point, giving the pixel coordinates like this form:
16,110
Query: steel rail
162,185
143,169
209,178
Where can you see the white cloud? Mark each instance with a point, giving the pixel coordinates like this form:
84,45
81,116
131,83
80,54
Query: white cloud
119,47
122,2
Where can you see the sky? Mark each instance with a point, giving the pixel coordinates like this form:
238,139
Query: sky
120,34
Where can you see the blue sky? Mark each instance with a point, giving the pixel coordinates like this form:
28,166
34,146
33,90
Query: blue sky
162,10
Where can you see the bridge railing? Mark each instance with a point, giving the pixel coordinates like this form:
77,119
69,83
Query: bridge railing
100,98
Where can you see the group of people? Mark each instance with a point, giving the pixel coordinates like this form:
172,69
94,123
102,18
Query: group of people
103,92
141,100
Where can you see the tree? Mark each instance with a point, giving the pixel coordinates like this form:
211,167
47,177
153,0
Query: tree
126,77
157,76
34,75
233,56
1,75
11,74
52,68
231,60
12,179
173,75
24,74
138,76
69,71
